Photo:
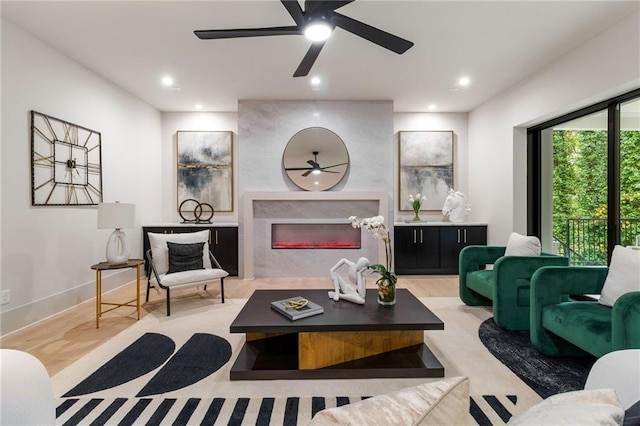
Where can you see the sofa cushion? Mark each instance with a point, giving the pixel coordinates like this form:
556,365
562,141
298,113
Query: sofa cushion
445,402
584,324
160,251
481,282
192,277
586,407
185,257
623,276
522,245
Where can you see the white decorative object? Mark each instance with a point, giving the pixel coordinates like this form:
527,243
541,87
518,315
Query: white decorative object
116,216
353,293
623,276
586,407
456,206
522,245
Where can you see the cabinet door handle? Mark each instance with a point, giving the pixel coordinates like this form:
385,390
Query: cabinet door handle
414,236
465,235
458,235
217,236
421,236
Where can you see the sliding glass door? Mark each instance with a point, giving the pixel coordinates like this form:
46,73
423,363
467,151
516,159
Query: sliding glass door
584,180
630,173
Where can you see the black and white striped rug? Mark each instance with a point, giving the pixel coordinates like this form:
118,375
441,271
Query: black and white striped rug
235,411
175,371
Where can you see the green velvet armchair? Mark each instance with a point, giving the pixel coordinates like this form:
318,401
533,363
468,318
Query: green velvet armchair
506,287
573,327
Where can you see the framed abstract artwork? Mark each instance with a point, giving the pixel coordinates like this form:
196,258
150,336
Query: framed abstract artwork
205,168
66,163
426,167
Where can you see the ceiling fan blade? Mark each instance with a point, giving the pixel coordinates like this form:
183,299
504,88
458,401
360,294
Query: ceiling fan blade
294,9
328,171
374,35
246,32
309,59
313,164
324,5
307,173
334,165
298,168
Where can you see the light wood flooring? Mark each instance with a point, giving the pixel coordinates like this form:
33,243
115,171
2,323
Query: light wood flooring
61,340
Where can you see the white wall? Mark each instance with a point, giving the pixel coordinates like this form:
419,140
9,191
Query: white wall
605,66
201,121
47,252
457,122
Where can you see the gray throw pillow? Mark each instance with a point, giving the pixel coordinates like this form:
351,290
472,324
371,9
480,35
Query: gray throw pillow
185,257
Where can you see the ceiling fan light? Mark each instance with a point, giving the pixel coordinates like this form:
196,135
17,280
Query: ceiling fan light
317,31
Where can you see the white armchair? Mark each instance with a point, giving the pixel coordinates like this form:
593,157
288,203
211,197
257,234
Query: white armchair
182,260
26,393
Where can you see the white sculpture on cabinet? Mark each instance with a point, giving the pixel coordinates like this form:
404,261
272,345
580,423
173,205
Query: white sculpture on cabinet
456,206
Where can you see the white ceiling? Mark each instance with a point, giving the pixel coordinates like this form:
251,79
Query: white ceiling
135,43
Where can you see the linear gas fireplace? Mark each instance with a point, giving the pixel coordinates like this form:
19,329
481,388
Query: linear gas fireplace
315,236
324,214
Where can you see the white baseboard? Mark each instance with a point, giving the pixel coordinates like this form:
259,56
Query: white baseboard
39,310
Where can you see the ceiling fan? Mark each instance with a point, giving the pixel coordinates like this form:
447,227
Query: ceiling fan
317,22
315,167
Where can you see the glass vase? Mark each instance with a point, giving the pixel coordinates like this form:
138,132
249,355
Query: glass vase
386,293
416,216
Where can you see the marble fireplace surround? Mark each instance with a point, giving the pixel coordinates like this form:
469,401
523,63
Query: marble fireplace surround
263,208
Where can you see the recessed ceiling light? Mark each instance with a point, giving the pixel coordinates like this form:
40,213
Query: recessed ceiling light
198,106
464,81
315,81
317,31
432,107
167,81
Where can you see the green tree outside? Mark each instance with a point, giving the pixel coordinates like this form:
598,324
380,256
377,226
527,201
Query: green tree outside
580,189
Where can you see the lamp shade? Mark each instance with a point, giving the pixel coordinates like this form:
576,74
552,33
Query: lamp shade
116,215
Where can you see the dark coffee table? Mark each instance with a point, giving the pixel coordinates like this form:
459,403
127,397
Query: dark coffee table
346,341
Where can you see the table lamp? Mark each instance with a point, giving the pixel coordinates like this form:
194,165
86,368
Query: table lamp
116,216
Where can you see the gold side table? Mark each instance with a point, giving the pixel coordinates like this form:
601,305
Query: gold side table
105,266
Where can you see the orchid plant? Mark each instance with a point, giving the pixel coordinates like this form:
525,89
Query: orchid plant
376,227
416,203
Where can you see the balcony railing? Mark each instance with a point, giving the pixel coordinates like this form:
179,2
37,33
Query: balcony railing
585,240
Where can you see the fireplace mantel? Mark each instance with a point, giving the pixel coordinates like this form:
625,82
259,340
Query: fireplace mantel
340,197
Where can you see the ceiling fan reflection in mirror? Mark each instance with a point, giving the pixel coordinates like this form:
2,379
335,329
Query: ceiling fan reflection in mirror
317,21
315,168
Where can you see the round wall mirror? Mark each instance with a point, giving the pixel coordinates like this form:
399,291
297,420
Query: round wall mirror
315,159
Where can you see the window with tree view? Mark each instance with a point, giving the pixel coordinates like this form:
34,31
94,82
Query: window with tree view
585,169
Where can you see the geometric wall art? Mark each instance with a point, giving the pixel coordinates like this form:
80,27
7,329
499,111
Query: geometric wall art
66,163
426,167
205,168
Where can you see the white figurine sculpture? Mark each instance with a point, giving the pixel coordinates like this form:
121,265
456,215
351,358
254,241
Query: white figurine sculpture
353,293
456,206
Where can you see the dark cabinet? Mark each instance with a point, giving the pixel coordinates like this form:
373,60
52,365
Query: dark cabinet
433,249
416,249
453,239
223,242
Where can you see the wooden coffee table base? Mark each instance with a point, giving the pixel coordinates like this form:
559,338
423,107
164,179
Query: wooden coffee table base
336,355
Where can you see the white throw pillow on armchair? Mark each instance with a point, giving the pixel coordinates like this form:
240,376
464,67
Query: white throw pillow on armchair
522,245
623,276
